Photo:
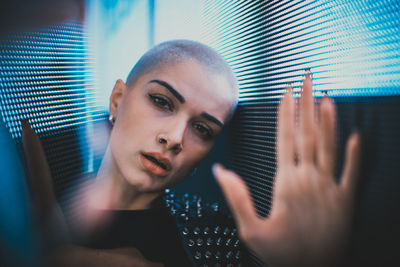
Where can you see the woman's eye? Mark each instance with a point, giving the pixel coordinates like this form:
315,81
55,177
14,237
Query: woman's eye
161,102
203,131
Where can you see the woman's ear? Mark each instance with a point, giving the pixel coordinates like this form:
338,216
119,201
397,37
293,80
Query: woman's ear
118,93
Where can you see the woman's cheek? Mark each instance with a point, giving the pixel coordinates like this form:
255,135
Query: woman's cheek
198,153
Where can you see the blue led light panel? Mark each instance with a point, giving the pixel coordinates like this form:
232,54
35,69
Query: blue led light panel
46,78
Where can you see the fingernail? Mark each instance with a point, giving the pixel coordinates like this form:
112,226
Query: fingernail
308,72
215,168
290,89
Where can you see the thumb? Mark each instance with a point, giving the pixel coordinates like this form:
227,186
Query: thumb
40,178
50,215
238,198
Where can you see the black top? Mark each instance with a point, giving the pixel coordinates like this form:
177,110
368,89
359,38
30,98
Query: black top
152,231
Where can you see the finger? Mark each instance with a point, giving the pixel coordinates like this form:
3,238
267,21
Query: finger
352,164
285,131
307,124
238,197
327,137
40,177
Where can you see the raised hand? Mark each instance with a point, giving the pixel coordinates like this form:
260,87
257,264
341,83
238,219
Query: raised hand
51,224
48,214
311,214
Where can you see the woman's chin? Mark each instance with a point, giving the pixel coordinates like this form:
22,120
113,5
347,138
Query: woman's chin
147,184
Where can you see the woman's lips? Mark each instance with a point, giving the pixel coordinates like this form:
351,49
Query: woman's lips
155,163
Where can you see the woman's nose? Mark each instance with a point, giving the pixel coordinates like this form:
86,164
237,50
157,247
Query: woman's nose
173,137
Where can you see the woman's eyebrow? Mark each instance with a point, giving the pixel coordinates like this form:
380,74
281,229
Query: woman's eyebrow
182,100
212,119
178,96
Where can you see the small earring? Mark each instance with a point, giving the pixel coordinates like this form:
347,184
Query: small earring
111,119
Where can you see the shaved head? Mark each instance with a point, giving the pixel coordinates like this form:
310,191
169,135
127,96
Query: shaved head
176,51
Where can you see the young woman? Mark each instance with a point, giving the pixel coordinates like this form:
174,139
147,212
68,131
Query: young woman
166,119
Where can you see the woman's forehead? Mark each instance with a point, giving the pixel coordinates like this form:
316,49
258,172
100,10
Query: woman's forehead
191,77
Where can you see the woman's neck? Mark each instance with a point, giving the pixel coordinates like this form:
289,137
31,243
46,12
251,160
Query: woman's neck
113,192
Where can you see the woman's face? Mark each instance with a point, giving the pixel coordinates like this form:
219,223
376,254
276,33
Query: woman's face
166,123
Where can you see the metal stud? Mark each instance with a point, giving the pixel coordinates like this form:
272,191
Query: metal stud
207,255
226,231
199,242
196,230
185,230
217,229
206,230
197,255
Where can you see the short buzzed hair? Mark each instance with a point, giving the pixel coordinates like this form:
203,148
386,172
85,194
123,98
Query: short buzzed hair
182,50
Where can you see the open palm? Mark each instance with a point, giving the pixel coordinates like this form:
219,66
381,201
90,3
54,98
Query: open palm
311,213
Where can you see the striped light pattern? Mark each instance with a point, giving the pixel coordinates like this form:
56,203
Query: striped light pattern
46,78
